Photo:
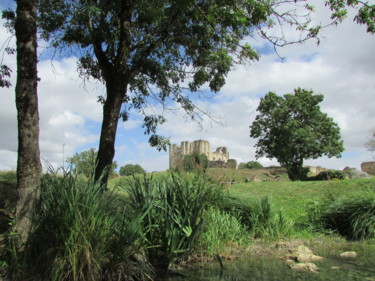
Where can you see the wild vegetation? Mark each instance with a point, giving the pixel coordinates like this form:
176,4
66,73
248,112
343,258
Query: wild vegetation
147,223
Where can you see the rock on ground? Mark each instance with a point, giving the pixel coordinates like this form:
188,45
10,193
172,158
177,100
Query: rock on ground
351,254
305,255
309,266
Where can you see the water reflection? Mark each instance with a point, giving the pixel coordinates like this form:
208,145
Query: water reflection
333,268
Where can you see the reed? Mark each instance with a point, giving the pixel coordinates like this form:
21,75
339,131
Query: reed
352,217
81,232
174,218
259,216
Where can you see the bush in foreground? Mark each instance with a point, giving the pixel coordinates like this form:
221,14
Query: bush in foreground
81,233
259,216
352,217
221,231
174,208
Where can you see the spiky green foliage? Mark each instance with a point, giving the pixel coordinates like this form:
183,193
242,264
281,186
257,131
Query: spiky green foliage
174,219
260,216
81,233
352,217
221,231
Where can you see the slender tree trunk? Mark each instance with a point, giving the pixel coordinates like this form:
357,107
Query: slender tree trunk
116,91
28,163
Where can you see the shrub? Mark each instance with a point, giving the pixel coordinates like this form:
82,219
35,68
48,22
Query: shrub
130,170
312,219
221,230
259,216
81,232
330,175
253,165
352,217
173,221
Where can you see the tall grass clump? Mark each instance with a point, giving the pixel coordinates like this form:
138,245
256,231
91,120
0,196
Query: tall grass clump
260,216
352,217
81,232
174,206
221,232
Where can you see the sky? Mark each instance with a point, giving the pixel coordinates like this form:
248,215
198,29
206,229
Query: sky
341,67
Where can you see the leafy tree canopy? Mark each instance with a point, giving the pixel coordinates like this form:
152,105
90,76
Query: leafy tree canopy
365,15
5,71
84,163
293,128
131,169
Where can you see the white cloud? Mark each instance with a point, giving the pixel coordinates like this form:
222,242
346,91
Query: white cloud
131,124
65,108
8,159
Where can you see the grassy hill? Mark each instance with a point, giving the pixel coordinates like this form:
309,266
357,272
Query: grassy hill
296,197
293,197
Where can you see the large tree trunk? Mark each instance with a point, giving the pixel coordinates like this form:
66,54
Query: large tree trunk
116,91
28,163
296,171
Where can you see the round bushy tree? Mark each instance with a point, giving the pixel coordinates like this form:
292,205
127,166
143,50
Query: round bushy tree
253,165
130,169
293,128
84,163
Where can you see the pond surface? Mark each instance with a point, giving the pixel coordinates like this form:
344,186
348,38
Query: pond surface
265,268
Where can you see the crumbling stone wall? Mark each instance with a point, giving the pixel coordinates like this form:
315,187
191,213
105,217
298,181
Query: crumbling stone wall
368,167
217,158
315,170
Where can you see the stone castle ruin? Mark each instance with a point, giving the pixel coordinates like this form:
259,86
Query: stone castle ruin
368,167
218,158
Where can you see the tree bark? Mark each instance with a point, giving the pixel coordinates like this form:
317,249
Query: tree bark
296,171
116,91
28,162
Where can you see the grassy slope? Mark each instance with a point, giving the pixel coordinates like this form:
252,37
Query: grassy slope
8,192
293,197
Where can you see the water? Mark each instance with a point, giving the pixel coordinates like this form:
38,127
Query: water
267,268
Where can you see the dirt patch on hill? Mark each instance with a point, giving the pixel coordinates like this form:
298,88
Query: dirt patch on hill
229,176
